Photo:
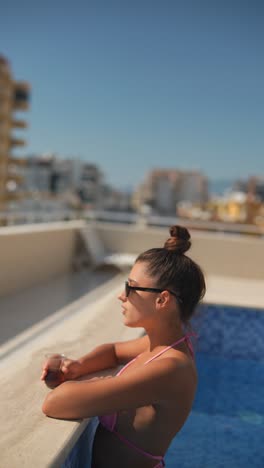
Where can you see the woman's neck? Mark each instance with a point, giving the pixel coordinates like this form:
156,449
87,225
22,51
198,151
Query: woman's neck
164,335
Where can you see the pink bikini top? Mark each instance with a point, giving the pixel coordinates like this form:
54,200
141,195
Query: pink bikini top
108,421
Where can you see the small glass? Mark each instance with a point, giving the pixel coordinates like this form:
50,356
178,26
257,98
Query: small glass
54,375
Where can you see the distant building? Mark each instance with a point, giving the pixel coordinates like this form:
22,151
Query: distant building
47,174
116,200
256,187
90,185
37,174
193,187
14,96
52,177
163,189
236,207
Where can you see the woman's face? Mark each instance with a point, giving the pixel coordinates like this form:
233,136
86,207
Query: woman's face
140,306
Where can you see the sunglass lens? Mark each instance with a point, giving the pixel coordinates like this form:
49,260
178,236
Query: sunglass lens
127,288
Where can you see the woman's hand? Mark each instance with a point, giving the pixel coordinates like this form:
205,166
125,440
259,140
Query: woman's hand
70,369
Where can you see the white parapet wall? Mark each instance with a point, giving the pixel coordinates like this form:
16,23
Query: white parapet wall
31,254
220,254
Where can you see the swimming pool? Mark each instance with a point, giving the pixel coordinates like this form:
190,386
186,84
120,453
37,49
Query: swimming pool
226,426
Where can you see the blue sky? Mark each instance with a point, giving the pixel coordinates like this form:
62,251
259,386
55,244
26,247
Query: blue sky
133,85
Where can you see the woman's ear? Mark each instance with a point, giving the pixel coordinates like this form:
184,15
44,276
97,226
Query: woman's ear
163,298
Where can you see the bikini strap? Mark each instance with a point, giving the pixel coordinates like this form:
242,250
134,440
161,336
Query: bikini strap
184,338
189,342
127,365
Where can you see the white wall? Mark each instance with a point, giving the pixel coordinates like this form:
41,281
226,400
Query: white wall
239,256
34,253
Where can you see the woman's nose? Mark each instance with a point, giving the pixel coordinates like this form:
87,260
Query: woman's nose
122,296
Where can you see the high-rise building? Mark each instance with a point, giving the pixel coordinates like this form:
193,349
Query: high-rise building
91,185
51,176
14,96
164,188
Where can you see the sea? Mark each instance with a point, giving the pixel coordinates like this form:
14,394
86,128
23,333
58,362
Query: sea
219,187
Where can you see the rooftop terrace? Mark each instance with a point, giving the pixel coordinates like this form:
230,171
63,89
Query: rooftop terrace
58,292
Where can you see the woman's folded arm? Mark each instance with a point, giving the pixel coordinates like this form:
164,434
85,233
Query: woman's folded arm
160,380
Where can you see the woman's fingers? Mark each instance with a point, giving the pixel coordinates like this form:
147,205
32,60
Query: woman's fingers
65,365
43,375
69,368
44,370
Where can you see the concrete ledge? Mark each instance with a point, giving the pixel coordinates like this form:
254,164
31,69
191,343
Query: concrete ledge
28,438
240,292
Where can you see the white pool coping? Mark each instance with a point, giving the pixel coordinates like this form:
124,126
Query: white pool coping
238,292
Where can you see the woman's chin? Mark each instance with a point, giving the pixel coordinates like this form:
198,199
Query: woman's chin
130,323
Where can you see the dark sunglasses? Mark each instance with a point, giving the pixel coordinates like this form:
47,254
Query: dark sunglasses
129,288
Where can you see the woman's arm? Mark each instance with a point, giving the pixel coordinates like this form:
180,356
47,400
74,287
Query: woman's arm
127,350
100,358
111,355
105,356
163,379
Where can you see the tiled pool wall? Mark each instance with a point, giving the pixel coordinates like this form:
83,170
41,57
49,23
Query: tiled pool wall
229,331
80,455
226,426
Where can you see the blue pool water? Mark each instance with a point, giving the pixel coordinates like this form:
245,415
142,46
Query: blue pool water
226,426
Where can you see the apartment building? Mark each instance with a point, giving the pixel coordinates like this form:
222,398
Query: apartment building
14,96
163,189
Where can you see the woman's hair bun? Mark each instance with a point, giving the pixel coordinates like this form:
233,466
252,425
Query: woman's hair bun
179,242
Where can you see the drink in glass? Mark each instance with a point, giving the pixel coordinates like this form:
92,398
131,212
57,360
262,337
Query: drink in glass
54,375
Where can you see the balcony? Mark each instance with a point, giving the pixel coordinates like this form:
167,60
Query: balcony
17,142
19,123
21,95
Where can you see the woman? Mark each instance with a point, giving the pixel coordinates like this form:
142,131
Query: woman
143,407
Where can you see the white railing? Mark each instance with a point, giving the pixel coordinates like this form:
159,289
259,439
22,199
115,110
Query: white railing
32,217
164,221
